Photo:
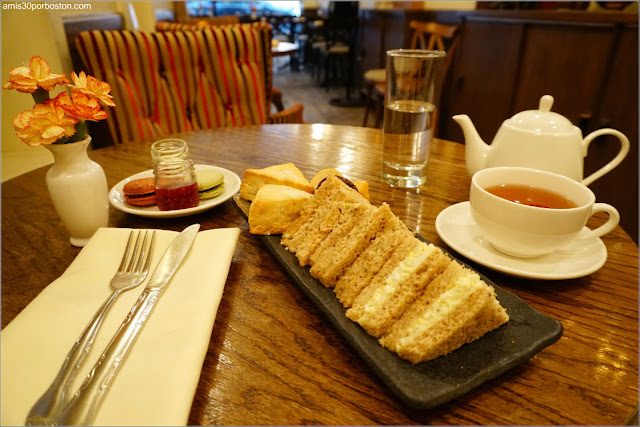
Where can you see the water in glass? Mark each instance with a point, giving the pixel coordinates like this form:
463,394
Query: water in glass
406,137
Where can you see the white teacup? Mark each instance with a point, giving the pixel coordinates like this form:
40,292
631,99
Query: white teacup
527,231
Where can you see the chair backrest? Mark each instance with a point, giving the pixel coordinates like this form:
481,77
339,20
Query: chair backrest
430,35
175,26
192,24
168,82
204,21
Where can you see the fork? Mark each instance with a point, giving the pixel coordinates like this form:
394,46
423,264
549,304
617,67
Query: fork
132,271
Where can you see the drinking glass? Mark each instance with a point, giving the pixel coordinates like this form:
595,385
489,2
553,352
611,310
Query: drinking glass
413,83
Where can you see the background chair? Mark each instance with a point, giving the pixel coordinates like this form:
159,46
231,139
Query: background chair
334,46
276,95
424,35
175,81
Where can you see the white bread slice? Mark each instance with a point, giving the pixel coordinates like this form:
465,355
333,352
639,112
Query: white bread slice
465,309
275,207
286,174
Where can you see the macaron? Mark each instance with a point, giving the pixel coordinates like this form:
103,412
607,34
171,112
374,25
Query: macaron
140,192
210,183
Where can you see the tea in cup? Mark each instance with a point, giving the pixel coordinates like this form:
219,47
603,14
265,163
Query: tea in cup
527,213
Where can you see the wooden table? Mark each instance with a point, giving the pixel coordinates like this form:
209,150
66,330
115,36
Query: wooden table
284,49
287,49
274,359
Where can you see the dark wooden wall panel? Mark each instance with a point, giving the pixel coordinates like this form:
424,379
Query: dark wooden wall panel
482,78
621,113
371,39
396,34
567,62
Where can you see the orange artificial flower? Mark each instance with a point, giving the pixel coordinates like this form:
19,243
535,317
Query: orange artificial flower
63,119
92,86
27,79
81,105
44,125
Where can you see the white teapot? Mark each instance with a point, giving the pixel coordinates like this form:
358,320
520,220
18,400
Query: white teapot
539,139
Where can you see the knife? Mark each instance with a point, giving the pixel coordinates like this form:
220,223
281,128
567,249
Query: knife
84,406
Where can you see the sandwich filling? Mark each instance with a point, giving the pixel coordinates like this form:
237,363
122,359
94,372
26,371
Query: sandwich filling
439,310
403,272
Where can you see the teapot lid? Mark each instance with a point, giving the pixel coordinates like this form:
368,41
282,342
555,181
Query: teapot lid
542,120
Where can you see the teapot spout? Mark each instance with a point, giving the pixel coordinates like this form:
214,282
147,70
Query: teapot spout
476,150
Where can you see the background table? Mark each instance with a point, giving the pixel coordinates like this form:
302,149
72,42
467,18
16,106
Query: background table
274,359
287,49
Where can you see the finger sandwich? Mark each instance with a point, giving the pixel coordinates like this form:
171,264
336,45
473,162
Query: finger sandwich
460,309
333,205
418,301
343,246
381,303
360,273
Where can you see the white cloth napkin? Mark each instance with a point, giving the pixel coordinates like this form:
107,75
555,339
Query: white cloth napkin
157,383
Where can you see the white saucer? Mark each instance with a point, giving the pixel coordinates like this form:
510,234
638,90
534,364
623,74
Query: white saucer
231,187
456,227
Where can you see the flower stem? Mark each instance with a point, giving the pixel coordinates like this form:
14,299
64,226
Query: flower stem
40,95
81,131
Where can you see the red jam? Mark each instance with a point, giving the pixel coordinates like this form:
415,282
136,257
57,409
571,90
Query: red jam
177,198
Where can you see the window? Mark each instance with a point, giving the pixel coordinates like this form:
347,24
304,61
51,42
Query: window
261,8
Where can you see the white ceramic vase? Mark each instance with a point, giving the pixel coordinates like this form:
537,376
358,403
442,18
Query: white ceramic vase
78,189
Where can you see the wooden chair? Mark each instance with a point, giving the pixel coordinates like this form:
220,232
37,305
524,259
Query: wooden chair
424,35
176,81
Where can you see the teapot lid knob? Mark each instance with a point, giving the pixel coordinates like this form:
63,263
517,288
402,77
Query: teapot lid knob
546,102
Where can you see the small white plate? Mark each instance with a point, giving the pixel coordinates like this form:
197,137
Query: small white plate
581,257
117,200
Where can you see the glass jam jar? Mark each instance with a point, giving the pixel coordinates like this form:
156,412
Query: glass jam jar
176,184
170,148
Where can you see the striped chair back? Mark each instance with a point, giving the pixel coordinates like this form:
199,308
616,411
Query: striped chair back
175,26
209,20
168,82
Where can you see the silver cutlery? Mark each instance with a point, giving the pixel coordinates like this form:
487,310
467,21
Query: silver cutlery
85,404
132,271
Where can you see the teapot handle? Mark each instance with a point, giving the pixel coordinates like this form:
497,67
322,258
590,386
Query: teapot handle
624,150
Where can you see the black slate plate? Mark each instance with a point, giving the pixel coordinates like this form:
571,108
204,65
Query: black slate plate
428,384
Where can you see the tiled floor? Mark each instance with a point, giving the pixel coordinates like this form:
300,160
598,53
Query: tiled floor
301,87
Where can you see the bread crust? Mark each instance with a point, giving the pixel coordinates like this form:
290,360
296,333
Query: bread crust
286,174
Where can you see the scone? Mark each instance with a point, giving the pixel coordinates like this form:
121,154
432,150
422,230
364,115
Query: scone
275,207
286,174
